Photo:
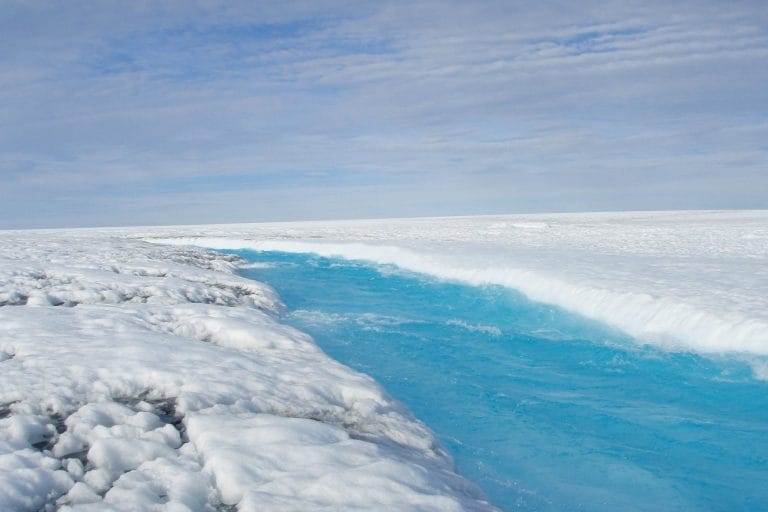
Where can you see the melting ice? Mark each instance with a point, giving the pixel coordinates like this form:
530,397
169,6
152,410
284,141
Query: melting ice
139,375
545,409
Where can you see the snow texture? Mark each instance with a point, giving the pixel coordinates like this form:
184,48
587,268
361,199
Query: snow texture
137,376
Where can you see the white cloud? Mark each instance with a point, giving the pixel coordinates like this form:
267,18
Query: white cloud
482,98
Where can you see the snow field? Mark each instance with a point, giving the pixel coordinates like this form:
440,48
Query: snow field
680,280
140,377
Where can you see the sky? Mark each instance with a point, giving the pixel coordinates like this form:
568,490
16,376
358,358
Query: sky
196,111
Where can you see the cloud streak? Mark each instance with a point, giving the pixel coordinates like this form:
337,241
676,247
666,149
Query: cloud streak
509,107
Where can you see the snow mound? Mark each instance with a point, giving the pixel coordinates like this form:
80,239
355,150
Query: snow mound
140,377
71,277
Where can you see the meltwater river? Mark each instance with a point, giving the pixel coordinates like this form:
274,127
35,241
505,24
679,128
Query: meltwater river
543,409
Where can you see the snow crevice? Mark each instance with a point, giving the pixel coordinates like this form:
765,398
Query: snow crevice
104,452
6,409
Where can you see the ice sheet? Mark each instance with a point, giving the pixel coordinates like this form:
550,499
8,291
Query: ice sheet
135,376
683,280
138,374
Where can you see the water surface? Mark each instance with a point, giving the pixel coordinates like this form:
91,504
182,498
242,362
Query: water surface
543,409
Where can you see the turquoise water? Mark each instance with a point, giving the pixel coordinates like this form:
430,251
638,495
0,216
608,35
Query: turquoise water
543,409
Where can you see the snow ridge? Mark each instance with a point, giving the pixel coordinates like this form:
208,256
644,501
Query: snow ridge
651,319
140,377
680,280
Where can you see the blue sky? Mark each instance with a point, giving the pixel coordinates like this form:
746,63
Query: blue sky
121,113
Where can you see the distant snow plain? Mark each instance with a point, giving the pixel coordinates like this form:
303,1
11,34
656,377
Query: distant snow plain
139,371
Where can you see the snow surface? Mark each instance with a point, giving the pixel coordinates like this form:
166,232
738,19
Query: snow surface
681,280
138,375
135,376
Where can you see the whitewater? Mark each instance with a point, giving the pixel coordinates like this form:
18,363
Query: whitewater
140,370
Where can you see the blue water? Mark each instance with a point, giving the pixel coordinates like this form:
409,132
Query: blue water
543,409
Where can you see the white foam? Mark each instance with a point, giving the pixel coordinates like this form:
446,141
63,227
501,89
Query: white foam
486,329
256,265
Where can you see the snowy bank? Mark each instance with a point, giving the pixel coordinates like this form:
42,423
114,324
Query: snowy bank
135,376
682,280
